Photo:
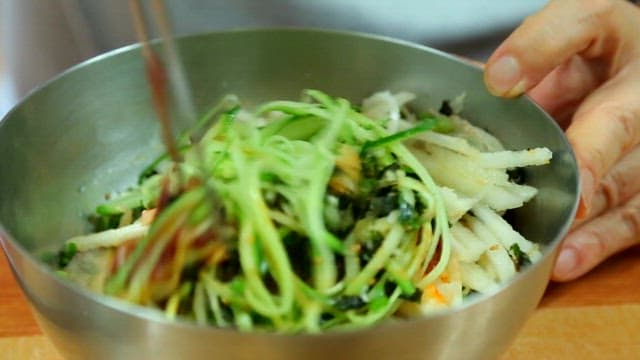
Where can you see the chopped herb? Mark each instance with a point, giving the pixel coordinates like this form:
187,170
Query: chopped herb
407,290
416,296
445,108
370,246
66,254
326,317
349,302
517,175
409,216
298,247
105,222
384,203
369,165
191,272
442,124
519,257
389,287
230,267
50,258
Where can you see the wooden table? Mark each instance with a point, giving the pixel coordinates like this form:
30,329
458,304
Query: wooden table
595,317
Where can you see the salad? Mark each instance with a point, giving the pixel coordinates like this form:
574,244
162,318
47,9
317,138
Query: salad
313,215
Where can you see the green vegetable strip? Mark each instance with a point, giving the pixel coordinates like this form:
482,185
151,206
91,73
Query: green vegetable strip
165,224
227,103
420,253
424,125
295,108
159,242
293,128
441,217
372,317
310,305
286,221
400,277
329,137
172,305
268,310
261,299
199,304
322,241
423,192
325,272
351,261
210,288
255,210
242,319
149,171
378,261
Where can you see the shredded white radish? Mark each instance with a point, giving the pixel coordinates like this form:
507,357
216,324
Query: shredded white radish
109,238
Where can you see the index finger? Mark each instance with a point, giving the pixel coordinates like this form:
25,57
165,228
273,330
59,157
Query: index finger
595,29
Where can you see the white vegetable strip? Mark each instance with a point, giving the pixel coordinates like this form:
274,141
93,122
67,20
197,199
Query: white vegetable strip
476,278
499,199
476,136
452,143
109,238
524,192
453,171
497,261
503,230
384,105
455,204
468,246
513,159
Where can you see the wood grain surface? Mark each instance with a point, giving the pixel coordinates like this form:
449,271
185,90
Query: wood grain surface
594,317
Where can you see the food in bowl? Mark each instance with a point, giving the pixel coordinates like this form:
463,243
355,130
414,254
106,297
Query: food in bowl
312,215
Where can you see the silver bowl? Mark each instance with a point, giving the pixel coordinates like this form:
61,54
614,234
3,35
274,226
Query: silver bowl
91,130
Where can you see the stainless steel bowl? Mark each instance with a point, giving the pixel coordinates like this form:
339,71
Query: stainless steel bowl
91,130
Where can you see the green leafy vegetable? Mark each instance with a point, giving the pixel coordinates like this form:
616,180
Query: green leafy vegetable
66,254
520,258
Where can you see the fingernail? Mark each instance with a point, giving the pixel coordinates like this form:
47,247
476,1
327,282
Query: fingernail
586,193
504,77
566,263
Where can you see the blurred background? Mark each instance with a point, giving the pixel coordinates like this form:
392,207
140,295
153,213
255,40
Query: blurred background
41,38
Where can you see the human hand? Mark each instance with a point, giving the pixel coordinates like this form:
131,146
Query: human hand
580,60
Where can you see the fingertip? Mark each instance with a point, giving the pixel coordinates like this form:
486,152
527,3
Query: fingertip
566,264
503,76
586,193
